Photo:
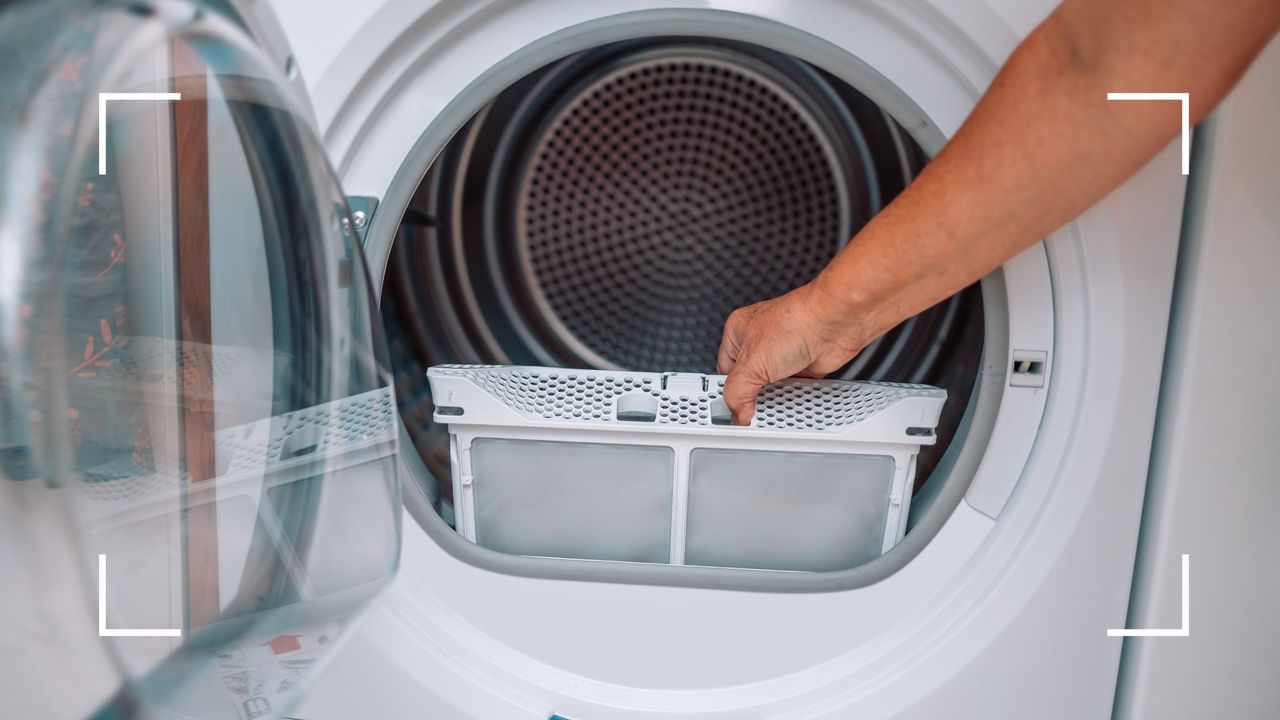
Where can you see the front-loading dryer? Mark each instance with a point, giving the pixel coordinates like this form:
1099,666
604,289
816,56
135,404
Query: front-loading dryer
451,117
453,129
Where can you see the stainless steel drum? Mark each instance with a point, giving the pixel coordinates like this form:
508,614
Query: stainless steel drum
610,210
668,189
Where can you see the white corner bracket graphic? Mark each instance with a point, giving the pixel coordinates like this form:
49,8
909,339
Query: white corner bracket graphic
1185,99
103,630
102,118
1185,630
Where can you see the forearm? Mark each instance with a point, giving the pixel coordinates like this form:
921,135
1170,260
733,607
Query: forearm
1043,145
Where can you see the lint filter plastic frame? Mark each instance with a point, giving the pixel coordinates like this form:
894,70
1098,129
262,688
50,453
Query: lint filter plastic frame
685,413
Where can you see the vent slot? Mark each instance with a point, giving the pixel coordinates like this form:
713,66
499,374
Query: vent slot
1028,368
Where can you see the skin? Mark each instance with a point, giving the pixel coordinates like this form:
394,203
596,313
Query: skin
1041,146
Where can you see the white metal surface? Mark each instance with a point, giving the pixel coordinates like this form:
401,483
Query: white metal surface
684,413
1217,506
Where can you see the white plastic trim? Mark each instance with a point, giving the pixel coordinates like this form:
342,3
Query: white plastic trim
800,416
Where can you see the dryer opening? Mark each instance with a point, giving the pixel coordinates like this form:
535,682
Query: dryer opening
609,210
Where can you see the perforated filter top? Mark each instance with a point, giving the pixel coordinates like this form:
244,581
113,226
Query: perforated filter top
663,193
600,396
643,467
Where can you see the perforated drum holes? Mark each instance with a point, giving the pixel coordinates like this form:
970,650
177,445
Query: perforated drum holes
663,194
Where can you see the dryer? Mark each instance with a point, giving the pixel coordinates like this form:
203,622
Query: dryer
442,120
981,611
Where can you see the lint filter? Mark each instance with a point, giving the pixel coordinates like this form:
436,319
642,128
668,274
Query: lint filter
645,467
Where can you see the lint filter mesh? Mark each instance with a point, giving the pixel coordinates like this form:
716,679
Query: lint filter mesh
644,467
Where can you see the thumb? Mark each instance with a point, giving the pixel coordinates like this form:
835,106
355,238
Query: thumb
741,387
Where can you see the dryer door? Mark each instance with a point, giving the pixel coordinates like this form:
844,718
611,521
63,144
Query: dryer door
196,418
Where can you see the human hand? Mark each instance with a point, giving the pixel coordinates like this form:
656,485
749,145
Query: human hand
802,333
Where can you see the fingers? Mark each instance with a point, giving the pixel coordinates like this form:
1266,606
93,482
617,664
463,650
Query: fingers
769,341
743,381
727,356
742,386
